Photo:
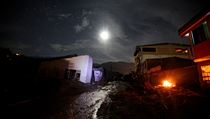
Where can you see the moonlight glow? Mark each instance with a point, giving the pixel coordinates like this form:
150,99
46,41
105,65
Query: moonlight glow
104,35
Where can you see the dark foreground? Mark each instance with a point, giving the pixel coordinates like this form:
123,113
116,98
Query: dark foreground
115,100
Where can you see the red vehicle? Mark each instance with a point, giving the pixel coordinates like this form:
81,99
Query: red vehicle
197,30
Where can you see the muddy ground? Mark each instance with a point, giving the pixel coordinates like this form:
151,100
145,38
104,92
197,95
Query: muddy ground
115,100
175,103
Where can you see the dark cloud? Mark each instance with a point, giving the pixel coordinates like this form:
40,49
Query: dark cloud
84,24
63,27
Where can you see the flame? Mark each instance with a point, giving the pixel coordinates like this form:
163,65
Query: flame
167,84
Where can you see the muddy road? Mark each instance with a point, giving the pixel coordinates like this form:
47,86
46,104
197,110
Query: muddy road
115,100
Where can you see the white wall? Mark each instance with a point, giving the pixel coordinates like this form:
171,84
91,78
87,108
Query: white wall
84,64
55,69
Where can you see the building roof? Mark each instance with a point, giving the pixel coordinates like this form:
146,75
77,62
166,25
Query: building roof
60,57
156,44
194,22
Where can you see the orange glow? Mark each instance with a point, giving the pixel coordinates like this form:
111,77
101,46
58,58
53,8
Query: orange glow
205,68
167,84
182,50
178,50
202,59
205,72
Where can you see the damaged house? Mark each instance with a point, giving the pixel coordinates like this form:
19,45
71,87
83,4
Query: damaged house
156,62
78,68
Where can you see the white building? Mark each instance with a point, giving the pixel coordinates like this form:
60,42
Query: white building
68,68
158,51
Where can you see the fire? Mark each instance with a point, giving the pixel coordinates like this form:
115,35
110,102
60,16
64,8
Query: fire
167,84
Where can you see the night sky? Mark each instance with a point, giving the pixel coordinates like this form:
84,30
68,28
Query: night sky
54,28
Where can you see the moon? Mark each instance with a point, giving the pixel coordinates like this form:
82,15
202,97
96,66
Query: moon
104,35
